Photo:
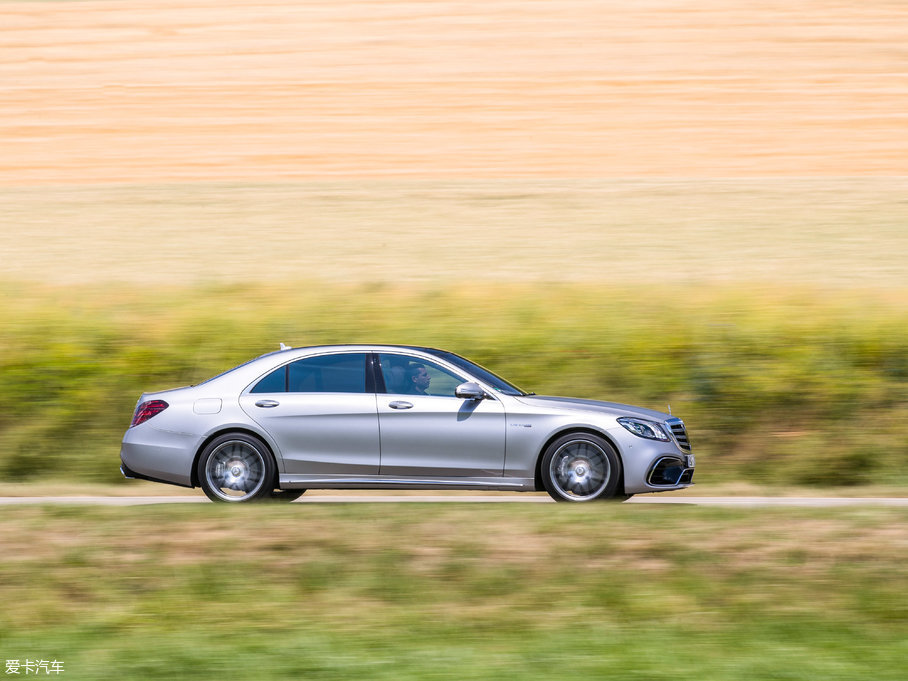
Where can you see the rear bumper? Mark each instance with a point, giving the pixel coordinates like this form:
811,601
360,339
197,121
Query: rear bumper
150,454
130,474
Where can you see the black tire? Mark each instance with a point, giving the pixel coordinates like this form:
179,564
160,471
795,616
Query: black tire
236,467
580,467
286,495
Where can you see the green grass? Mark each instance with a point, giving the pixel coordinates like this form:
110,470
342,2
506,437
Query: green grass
456,592
777,387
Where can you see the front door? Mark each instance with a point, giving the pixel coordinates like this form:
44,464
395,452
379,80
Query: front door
428,432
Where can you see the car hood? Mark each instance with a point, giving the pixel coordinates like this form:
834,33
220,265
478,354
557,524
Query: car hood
611,408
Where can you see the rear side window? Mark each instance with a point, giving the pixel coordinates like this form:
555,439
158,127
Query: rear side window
324,374
275,382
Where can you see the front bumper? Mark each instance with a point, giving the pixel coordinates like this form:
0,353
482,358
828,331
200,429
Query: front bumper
653,465
671,471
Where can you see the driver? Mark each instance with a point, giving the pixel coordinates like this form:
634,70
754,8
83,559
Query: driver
417,379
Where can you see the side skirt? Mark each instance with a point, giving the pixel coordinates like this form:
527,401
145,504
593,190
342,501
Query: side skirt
403,482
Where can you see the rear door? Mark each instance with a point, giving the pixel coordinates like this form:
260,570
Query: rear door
321,412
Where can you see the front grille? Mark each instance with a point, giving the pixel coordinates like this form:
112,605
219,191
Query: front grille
680,433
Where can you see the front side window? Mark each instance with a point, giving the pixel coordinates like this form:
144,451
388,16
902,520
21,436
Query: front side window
406,375
344,373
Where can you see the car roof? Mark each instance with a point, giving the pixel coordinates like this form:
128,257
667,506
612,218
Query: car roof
341,346
306,349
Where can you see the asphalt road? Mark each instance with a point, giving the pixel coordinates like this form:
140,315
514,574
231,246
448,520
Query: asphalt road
805,502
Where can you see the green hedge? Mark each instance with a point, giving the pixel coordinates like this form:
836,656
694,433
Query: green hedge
776,386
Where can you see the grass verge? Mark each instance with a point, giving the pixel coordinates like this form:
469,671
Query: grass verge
456,591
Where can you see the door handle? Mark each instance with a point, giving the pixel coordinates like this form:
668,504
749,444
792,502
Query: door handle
267,403
400,404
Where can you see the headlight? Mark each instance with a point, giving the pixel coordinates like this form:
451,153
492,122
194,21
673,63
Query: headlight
647,429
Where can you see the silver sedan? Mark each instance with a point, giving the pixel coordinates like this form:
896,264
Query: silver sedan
395,417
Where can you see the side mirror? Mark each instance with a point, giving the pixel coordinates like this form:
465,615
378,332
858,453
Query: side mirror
470,391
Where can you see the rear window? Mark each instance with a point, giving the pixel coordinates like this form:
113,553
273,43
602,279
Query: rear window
343,373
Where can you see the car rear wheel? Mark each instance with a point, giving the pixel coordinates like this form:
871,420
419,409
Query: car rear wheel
580,467
236,467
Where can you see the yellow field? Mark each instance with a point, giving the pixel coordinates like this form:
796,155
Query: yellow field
242,90
647,142
772,232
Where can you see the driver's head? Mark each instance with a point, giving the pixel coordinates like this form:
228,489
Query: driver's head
418,376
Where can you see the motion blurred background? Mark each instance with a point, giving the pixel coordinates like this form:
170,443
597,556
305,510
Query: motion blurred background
699,204
695,203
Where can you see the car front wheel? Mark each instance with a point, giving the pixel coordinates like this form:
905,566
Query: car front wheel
236,467
580,467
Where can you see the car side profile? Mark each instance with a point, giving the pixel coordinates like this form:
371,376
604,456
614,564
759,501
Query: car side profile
395,417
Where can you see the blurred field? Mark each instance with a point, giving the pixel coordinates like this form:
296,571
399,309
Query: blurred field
778,387
394,141
240,90
416,592
688,203
842,233
653,141
693,203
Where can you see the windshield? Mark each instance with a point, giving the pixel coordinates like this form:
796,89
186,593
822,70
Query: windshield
486,376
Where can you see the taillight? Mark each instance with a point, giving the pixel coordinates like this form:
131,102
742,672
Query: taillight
148,409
